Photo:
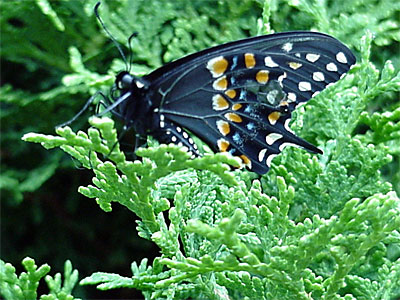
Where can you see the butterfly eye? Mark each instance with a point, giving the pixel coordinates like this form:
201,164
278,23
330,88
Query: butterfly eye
124,80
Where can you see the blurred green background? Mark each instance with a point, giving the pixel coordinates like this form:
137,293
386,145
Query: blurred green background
42,214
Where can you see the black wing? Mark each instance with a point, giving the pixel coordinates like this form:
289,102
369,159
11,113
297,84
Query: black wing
238,97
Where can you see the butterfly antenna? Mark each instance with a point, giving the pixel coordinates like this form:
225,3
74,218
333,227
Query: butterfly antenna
96,8
133,35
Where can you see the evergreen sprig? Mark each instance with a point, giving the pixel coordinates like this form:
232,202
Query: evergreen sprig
134,187
26,284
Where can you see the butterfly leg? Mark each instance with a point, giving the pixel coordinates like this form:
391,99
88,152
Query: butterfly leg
86,106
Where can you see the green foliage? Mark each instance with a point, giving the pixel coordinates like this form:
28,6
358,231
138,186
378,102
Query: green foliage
346,20
25,285
133,188
314,227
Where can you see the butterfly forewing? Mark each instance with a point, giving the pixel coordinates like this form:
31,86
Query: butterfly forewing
238,97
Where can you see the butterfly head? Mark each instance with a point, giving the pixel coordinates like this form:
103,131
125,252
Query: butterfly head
127,86
129,101
125,82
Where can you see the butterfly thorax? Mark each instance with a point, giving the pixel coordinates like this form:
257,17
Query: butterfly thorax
136,108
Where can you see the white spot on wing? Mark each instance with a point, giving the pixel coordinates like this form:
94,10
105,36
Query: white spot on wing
318,76
269,159
286,125
304,86
139,84
291,97
261,155
272,138
284,145
311,57
280,78
315,94
270,63
331,67
340,57
287,47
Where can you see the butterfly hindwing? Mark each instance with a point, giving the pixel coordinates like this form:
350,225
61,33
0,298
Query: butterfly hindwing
169,132
238,97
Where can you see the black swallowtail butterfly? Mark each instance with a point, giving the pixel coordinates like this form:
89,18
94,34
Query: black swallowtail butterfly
237,97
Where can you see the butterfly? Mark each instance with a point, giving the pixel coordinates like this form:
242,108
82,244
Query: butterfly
237,97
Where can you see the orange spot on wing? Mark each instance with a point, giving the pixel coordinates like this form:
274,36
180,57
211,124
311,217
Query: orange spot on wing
249,60
236,106
223,145
219,102
220,66
231,93
223,127
245,160
217,66
273,117
262,76
220,84
233,117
